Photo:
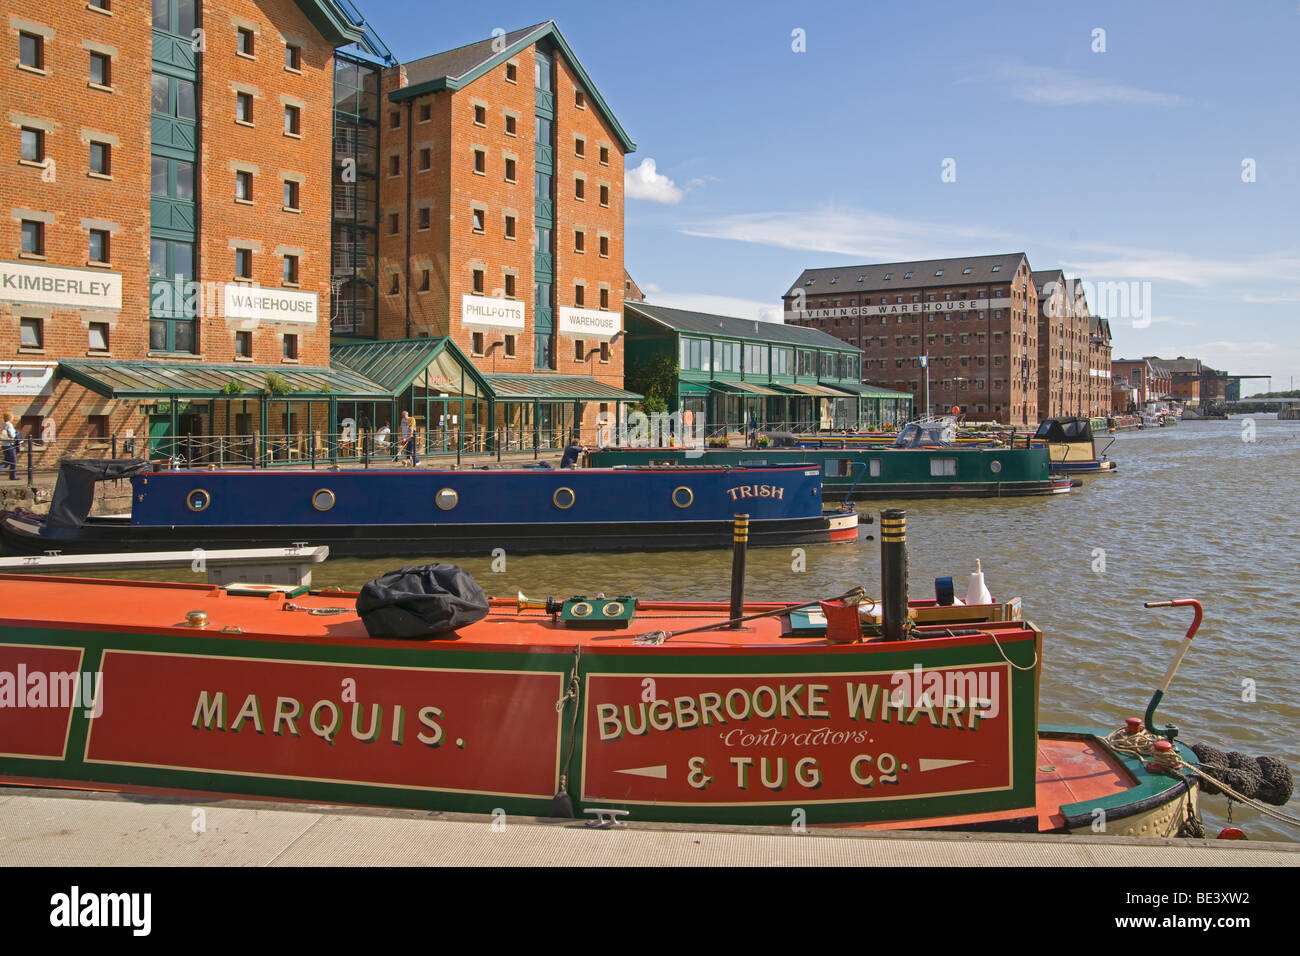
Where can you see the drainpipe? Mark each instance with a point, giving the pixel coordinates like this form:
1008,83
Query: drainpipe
410,114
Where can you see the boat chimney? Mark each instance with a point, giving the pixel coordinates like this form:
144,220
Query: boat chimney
739,542
893,572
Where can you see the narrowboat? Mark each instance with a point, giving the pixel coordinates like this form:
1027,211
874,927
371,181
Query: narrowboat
1072,447
434,512
842,711
856,472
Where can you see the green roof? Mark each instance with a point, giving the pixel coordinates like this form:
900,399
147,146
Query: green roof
395,364
752,330
455,69
333,21
151,380
871,391
557,388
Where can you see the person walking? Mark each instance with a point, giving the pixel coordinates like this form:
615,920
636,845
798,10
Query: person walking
408,438
9,434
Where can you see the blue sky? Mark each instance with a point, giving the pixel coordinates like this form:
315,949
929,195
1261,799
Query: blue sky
1118,166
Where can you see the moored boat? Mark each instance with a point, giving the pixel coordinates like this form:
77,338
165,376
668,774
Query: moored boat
1072,447
435,512
875,714
930,471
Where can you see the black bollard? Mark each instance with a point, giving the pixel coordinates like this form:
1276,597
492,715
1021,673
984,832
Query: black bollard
893,572
739,542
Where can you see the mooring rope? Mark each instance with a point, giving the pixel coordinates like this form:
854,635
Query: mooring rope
1172,764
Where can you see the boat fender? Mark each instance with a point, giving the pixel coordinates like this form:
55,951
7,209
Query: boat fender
1263,778
420,602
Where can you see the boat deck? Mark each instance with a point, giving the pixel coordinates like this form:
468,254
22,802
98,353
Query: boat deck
127,606
72,828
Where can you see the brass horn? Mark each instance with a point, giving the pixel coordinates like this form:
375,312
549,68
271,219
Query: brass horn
524,603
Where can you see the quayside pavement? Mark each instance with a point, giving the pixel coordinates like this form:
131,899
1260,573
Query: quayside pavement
75,828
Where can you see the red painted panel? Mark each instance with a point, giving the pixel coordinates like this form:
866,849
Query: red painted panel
462,730
35,701
744,739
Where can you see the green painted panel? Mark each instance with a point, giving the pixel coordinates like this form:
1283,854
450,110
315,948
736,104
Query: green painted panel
174,216
543,267
175,52
545,211
545,157
546,102
169,132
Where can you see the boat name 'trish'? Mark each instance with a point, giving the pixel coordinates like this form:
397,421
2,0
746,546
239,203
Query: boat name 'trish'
756,491
323,719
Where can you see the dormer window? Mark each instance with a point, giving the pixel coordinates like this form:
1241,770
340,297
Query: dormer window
809,282
938,272
860,278
997,268
834,279
908,276
967,271
889,275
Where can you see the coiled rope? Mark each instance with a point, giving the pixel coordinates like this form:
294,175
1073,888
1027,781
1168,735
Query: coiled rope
1171,763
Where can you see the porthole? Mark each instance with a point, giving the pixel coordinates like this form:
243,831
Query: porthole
446,499
564,497
995,466
197,500
683,497
581,609
613,609
322,500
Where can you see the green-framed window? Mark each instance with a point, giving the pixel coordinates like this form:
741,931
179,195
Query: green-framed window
173,96
178,17
173,178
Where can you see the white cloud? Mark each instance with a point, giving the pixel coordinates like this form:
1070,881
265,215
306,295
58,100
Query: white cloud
1117,262
718,305
645,182
1048,86
861,233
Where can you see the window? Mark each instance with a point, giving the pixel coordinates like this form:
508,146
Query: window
476,344
510,227
604,298
604,246
579,241
101,69
579,350
510,170
291,345
997,268
244,263
511,125
395,286
478,220
580,147
292,57
425,216
478,281
426,112
394,165
512,73
291,191
480,115
244,186
426,159
98,338
579,99
31,51
244,41
32,145
943,467
394,224
579,189
244,107
604,195
31,333
480,161
244,344
175,17
604,155
101,159
33,237
99,242
292,120
424,280
291,269
395,119
510,285
604,352
579,295
510,346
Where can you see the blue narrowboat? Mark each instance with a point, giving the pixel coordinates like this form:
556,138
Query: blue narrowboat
434,512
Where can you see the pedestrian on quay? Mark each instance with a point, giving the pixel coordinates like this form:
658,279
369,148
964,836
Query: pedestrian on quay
9,432
408,438
572,451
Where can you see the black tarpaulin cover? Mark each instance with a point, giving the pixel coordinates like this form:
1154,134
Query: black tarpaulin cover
421,602
74,492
